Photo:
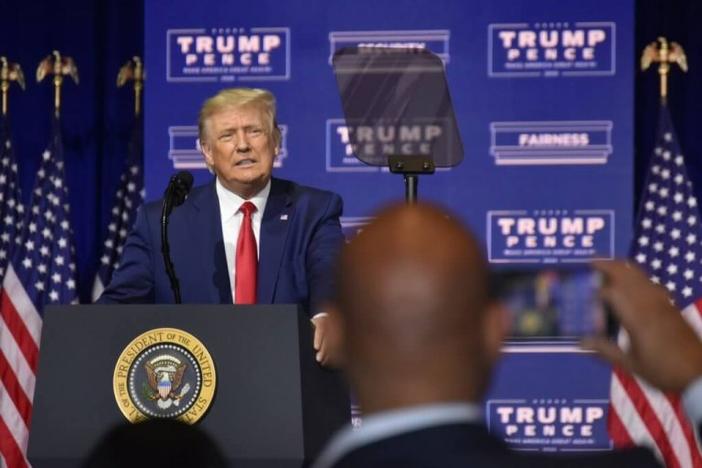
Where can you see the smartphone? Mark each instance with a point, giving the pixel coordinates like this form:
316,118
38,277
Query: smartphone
554,303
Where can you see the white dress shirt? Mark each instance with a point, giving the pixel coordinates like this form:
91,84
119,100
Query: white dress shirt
229,204
386,424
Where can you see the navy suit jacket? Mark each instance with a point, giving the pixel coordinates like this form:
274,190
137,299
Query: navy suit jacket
470,445
300,238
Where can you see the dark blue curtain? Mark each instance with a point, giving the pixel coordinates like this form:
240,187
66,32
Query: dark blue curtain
679,21
96,115
102,35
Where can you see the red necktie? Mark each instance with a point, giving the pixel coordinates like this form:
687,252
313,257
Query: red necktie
246,259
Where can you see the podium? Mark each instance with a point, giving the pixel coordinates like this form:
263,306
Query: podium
273,406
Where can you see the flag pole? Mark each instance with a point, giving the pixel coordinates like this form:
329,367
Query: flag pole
663,53
59,66
9,72
133,70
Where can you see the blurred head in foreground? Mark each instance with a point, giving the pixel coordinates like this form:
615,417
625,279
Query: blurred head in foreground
156,443
417,322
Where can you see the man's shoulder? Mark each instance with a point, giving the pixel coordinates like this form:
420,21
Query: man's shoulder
296,191
641,457
313,201
153,208
471,445
446,445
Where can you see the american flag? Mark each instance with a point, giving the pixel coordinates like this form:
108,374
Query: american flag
11,208
668,245
41,271
129,196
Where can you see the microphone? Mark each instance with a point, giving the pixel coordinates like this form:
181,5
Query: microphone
178,188
177,191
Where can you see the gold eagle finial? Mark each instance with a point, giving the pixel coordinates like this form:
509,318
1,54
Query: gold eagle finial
9,72
133,70
59,66
664,54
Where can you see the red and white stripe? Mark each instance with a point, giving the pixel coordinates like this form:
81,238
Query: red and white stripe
20,329
642,415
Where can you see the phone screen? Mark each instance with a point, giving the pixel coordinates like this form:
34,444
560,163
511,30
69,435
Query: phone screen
553,303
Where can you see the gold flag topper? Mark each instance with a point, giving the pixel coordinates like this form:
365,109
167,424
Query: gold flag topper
58,66
664,54
9,72
133,70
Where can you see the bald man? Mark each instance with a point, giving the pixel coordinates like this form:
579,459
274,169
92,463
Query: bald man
421,335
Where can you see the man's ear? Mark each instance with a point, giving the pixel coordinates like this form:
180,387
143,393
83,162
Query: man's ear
206,151
497,325
277,138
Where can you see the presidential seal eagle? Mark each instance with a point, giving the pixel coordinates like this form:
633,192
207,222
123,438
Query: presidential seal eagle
165,375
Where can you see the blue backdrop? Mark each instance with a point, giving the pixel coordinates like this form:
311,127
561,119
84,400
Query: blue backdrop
544,99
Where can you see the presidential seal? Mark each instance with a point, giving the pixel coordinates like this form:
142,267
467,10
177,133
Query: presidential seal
164,373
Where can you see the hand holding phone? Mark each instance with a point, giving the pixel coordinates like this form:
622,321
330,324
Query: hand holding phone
662,348
561,303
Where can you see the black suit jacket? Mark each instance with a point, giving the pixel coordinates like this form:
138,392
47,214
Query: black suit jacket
471,446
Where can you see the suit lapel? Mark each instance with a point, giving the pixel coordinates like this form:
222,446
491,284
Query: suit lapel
207,229
274,230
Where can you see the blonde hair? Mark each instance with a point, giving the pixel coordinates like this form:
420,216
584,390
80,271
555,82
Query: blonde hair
241,97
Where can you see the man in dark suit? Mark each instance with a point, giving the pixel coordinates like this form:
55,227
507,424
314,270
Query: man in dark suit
420,336
244,238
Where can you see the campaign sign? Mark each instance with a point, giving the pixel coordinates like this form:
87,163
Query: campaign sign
550,398
552,424
227,54
551,143
346,140
548,49
435,40
340,150
549,236
184,149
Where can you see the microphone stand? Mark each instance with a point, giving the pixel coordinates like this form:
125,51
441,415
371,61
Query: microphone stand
165,247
